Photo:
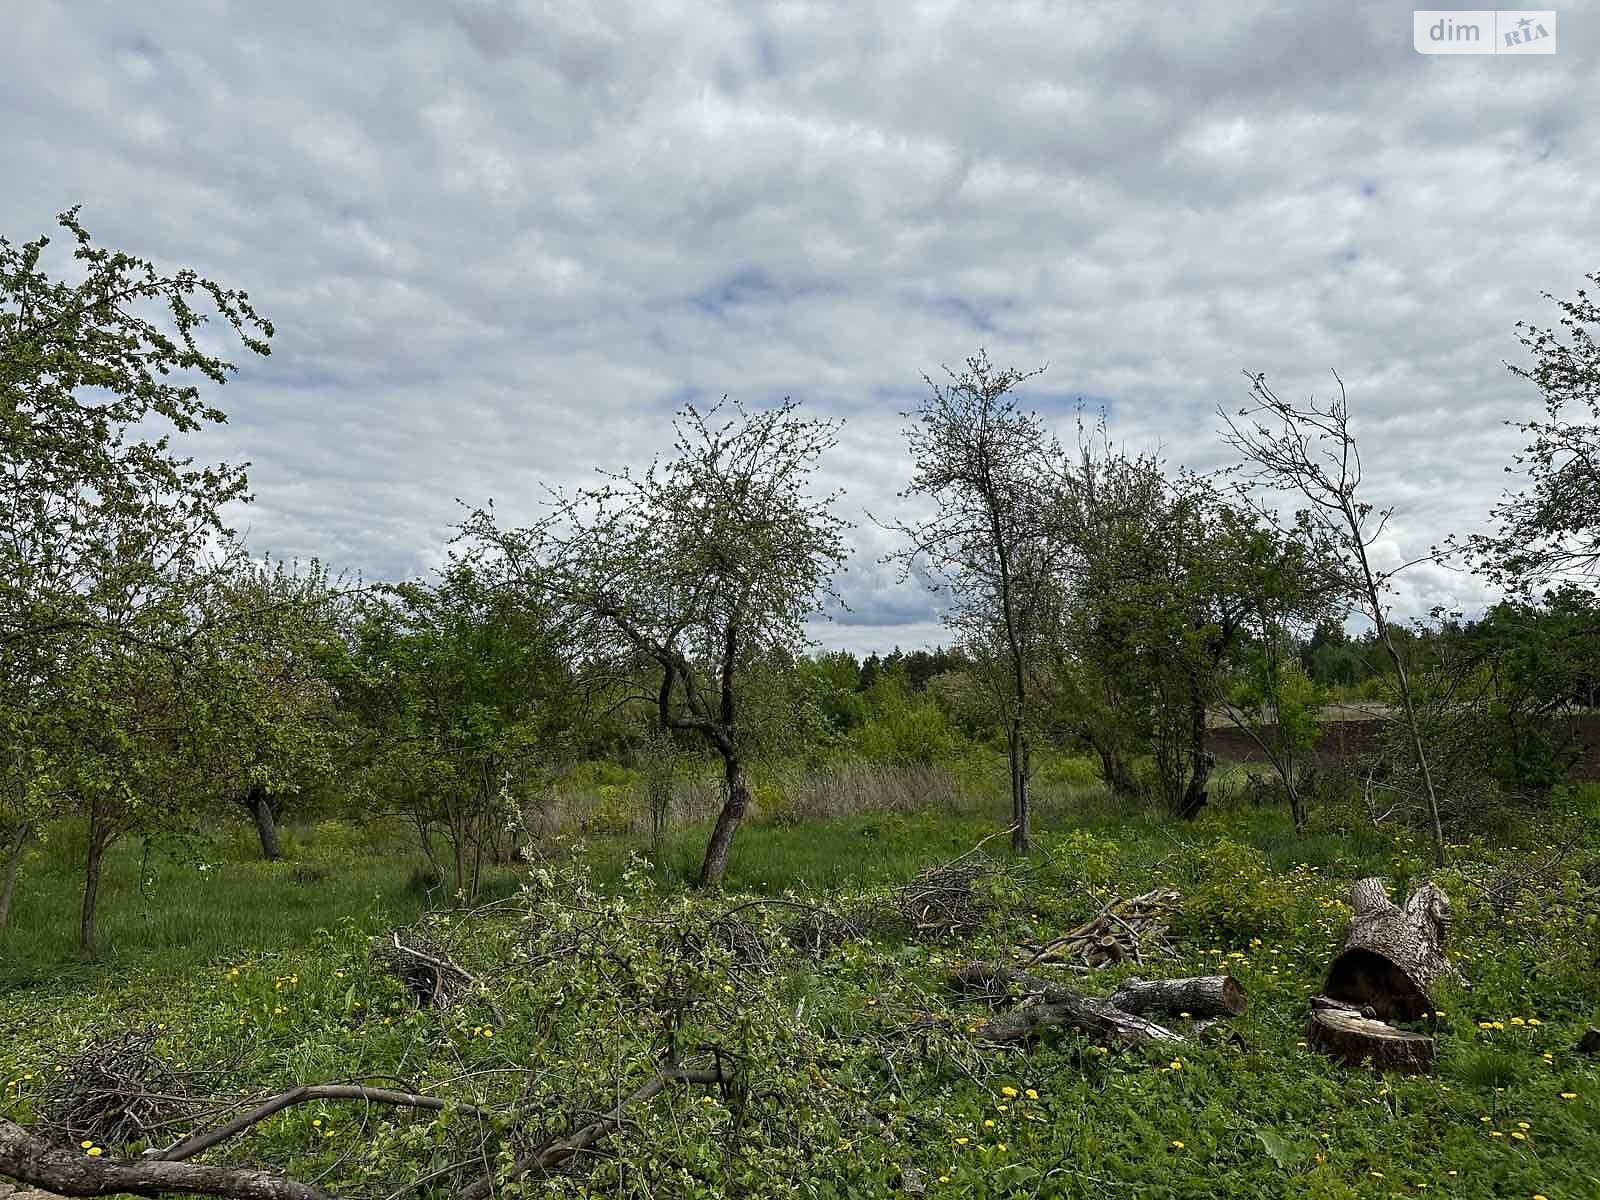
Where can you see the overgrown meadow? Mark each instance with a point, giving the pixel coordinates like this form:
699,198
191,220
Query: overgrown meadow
848,1066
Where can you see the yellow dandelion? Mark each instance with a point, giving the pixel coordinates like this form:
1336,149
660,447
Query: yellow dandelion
1008,1091
1177,1064
95,1152
85,1145
1519,1135
961,1141
1176,1144
1569,1095
1031,1094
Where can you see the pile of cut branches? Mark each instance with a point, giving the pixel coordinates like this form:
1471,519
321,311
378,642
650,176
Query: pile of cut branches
1121,931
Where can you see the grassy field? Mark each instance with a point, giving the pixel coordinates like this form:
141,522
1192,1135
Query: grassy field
860,1062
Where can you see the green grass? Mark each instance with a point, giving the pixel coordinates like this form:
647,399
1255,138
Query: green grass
265,968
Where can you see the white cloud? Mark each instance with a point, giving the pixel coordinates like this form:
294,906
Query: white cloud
502,240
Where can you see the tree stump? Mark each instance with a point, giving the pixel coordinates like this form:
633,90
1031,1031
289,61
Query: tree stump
1391,958
1346,1035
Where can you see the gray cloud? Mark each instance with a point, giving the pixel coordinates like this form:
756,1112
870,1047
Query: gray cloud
501,240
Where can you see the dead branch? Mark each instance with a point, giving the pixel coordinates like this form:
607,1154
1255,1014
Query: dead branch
29,1159
430,974
201,1141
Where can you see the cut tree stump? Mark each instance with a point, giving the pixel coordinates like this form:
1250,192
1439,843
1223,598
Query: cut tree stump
1346,1035
1391,958
1589,1043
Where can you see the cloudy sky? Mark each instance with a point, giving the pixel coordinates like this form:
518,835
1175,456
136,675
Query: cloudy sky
502,240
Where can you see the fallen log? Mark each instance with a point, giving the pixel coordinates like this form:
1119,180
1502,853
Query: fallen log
1392,956
30,1160
1201,996
1108,1020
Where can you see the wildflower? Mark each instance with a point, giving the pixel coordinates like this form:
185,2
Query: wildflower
1535,1021
1495,1133
961,1141
95,1152
317,1124
1519,1135
85,1145
1518,1021
1176,1144
1376,1174
1008,1091
988,1124
1177,1064
1000,1146
1569,1095
1523,1125
1485,1120
1031,1094
327,1133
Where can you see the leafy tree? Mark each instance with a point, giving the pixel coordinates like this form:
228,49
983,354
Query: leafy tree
461,692
112,536
278,662
986,465
702,565
1551,529
1171,582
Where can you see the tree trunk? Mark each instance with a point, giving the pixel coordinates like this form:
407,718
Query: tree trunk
1200,761
733,810
8,885
266,823
91,889
1201,996
1113,768
1390,960
1055,1006
31,1160
1021,817
1392,955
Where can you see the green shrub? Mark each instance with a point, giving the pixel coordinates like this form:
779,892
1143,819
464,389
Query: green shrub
1234,895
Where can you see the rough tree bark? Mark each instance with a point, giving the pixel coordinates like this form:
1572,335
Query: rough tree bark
733,811
260,808
1392,955
1201,996
1391,958
31,1160
1106,1020
94,855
